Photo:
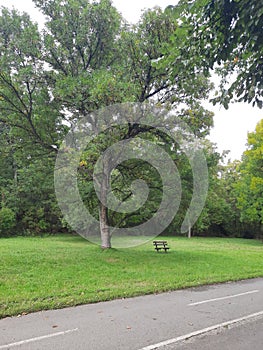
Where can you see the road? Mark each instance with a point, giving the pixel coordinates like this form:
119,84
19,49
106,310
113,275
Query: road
228,316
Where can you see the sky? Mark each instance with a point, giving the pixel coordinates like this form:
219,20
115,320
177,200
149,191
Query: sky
230,126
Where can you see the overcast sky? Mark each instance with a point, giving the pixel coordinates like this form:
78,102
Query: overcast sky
231,126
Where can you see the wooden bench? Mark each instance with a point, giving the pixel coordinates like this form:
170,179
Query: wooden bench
159,245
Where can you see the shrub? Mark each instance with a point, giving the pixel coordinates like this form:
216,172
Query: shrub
7,221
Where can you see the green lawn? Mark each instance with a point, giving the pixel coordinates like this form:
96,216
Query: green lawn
58,271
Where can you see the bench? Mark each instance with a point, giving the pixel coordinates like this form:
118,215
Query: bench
159,245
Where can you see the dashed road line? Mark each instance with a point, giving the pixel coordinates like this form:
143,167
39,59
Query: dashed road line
32,340
223,298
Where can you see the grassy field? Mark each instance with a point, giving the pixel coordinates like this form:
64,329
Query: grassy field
58,271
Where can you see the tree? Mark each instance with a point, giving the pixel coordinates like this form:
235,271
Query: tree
250,187
26,186
217,210
233,36
30,122
229,177
25,100
45,81
225,35
144,45
87,58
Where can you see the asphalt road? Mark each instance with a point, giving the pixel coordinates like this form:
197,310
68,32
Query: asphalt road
244,336
226,316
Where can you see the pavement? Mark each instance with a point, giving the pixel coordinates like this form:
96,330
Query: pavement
223,316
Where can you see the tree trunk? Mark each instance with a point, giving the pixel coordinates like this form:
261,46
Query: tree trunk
104,220
189,231
104,228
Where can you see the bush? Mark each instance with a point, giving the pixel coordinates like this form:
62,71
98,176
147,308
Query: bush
7,221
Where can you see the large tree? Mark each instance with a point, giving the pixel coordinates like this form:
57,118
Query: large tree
87,58
143,45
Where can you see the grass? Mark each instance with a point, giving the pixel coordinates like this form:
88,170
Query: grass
59,271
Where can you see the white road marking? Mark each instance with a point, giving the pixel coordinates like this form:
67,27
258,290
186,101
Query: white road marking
201,331
22,342
223,298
